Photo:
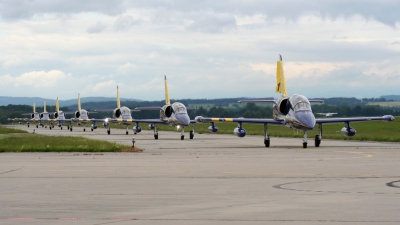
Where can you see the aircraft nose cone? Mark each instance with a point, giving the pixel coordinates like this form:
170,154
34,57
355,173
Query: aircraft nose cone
306,118
183,119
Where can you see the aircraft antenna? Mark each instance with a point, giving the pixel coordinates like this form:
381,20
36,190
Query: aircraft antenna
118,98
79,102
57,106
167,100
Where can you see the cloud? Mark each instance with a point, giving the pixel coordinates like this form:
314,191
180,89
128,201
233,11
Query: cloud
213,23
214,49
36,79
102,87
12,10
127,69
124,22
98,27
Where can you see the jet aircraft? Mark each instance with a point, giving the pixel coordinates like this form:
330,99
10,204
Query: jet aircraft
34,117
42,119
121,115
174,114
293,111
82,117
59,116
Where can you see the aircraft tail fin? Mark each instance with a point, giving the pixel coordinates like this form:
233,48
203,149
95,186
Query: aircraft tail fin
79,102
57,105
34,108
44,106
118,99
167,100
280,78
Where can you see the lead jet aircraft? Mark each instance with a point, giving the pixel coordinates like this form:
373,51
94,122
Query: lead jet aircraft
174,114
293,111
121,115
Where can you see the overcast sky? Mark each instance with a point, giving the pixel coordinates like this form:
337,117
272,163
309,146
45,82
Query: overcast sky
207,49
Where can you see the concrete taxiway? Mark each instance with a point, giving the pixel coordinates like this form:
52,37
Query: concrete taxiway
212,179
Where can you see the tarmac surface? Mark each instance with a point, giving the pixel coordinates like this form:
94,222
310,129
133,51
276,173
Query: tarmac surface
212,179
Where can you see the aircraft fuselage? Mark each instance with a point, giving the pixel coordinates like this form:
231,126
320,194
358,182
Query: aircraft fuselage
295,111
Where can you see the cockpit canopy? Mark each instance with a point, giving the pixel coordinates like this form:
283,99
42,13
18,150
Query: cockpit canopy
178,108
125,111
83,113
299,103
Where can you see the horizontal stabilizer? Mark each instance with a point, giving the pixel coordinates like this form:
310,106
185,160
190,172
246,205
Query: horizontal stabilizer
267,100
315,100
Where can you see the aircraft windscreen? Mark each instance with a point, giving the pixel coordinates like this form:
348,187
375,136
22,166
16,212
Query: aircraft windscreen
179,108
300,103
125,111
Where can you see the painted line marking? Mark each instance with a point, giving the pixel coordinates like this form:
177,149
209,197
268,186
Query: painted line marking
21,218
123,218
70,218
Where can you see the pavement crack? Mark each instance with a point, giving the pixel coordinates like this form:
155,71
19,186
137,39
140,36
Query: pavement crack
10,171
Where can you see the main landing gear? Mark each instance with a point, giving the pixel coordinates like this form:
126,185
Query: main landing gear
155,132
305,139
183,133
318,138
266,136
127,130
191,134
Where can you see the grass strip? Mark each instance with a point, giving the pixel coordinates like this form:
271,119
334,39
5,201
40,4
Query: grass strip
28,142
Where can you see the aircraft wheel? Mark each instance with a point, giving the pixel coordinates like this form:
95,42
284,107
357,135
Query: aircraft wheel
28,125
108,132
127,133
266,142
317,141
191,135
61,128
91,129
156,136
304,145
182,137
37,126
70,129
50,127
84,129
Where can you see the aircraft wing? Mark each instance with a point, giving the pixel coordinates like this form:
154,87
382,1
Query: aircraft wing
355,119
136,120
87,120
200,119
110,110
266,100
148,108
18,119
315,100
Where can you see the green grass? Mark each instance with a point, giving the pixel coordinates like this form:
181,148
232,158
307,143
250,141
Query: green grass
13,140
385,104
6,130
